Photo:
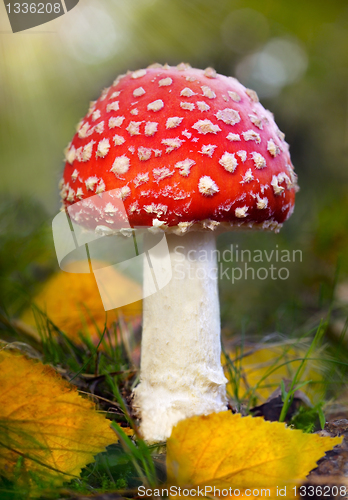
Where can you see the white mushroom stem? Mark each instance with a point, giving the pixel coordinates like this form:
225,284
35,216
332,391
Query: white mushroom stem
181,372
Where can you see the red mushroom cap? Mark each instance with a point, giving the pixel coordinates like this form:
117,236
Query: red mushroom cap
182,148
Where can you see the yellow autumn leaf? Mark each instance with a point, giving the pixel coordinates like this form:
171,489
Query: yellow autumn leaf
44,424
72,301
230,451
261,370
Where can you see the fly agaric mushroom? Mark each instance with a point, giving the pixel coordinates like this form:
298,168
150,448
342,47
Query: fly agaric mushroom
190,153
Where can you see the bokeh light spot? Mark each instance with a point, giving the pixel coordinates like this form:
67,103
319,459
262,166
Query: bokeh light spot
282,61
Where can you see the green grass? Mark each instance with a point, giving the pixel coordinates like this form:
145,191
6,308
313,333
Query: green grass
244,396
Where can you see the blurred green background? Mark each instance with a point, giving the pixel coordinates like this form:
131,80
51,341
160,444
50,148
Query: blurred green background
294,54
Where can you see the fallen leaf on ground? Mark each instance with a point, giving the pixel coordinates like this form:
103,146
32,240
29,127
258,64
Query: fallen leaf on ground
261,370
226,450
48,433
72,302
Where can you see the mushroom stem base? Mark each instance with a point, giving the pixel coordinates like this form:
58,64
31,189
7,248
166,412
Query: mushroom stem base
181,373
